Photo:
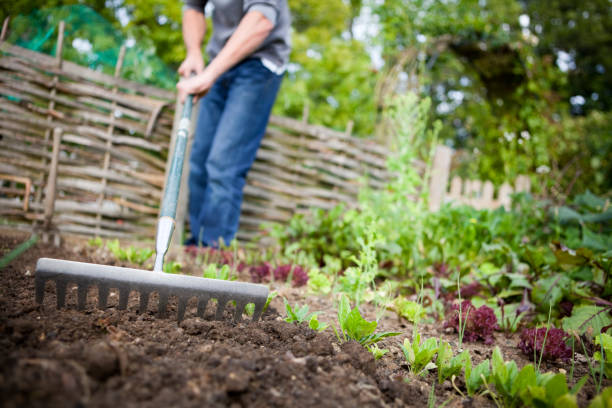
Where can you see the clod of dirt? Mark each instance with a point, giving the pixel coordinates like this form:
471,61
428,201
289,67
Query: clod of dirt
101,360
238,380
359,357
196,326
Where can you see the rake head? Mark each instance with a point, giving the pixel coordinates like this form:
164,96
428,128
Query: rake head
126,280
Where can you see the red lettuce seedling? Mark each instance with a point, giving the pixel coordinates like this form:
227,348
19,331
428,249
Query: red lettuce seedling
260,273
300,276
479,323
554,347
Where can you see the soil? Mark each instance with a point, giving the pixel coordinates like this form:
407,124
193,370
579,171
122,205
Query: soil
106,358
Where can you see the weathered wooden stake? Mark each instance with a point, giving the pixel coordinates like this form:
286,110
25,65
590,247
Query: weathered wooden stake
58,61
439,176
4,28
51,185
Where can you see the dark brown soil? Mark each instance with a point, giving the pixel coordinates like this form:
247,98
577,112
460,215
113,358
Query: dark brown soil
103,358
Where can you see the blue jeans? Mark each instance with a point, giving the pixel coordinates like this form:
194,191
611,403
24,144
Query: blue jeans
231,123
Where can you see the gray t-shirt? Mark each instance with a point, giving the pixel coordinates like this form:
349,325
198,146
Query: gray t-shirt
274,51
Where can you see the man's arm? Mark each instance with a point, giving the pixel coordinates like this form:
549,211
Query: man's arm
194,29
250,33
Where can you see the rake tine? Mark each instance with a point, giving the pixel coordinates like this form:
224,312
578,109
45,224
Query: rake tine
81,296
102,296
202,302
144,302
60,287
124,295
163,303
182,305
40,289
258,310
239,309
221,304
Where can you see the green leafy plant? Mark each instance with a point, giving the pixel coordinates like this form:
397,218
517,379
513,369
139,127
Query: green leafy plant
604,355
172,267
354,327
130,254
449,365
212,271
475,377
419,355
318,282
299,314
377,352
95,242
550,390
249,309
603,400
408,309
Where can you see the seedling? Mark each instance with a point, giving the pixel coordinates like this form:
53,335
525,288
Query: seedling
213,271
130,254
172,267
300,315
355,327
420,355
377,352
449,365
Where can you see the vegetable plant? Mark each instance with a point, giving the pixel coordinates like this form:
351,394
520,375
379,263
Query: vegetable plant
130,254
354,327
419,355
604,354
449,365
545,343
299,314
377,352
475,324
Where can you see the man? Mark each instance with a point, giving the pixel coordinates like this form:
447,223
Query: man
249,50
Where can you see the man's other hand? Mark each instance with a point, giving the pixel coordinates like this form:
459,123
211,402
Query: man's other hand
197,85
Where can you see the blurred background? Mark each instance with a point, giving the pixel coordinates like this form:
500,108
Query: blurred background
517,86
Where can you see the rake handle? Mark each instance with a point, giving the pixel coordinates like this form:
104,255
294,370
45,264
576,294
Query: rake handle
167,215
173,182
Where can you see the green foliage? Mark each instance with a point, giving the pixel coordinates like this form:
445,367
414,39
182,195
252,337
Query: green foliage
377,352
588,318
95,242
449,365
172,267
300,315
213,271
475,377
355,327
604,354
419,355
130,254
410,310
603,400
318,282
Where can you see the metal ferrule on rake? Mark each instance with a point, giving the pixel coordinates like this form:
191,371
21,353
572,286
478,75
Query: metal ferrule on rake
126,280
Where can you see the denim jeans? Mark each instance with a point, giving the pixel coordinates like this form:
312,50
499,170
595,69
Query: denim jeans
231,123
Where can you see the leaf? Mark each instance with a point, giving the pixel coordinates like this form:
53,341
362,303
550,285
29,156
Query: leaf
474,382
526,378
556,387
603,400
595,241
586,316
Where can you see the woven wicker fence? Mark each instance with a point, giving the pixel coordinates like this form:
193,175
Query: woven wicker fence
85,153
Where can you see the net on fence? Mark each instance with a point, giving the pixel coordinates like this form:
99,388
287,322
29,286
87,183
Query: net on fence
90,40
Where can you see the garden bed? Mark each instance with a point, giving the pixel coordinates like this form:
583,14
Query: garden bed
109,357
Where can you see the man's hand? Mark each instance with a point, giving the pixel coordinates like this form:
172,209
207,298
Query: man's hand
197,85
193,64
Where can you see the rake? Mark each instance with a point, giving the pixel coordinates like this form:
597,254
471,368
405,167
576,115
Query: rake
126,280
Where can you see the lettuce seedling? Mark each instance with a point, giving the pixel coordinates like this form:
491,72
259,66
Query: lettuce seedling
474,324
475,377
419,354
604,355
213,271
355,327
377,352
547,343
551,391
449,365
300,315
172,267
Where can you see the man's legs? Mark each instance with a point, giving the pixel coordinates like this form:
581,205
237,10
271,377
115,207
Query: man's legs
211,108
252,91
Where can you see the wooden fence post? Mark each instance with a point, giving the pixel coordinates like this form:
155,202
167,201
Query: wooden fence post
4,28
58,61
439,176
51,191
